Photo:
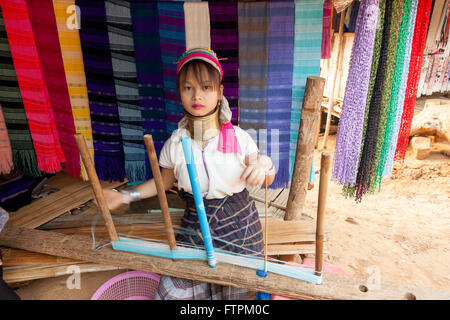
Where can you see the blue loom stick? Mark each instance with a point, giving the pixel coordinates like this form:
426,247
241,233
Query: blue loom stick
198,198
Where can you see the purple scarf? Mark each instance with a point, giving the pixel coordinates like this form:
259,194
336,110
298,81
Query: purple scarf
348,143
225,42
109,158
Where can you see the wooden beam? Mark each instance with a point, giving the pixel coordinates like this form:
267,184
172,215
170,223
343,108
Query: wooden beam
161,191
53,205
305,147
333,287
96,186
34,272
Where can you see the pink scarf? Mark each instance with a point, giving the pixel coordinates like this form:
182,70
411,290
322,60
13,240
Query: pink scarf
227,139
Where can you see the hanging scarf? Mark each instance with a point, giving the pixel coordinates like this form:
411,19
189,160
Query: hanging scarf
307,52
6,161
225,42
415,66
69,39
253,25
32,86
363,178
348,141
386,115
401,95
173,45
145,23
326,29
349,190
120,32
109,157
42,18
279,87
23,155
435,22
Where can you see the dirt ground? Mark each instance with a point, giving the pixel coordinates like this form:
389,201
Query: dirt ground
398,235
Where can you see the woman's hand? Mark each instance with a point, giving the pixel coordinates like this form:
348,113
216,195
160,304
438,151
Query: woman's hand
255,173
113,198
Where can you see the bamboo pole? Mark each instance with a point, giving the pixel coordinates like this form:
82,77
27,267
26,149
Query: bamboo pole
333,84
266,226
96,186
148,139
305,147
325,165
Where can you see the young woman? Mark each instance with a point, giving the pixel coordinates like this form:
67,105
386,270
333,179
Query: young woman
227,161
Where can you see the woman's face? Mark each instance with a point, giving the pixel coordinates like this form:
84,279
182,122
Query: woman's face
199,99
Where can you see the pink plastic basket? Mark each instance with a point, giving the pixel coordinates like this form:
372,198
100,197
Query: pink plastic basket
132,285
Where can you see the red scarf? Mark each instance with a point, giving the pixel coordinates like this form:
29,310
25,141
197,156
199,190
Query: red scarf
415,67
32,86
43,22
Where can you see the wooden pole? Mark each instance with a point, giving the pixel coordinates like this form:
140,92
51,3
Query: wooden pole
305,147
266,230
325,165
148,139
96,186
333,84
334,286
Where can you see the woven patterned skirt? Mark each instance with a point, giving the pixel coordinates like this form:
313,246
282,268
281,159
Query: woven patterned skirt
235,226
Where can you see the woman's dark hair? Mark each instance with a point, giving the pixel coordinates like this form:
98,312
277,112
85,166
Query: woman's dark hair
198,68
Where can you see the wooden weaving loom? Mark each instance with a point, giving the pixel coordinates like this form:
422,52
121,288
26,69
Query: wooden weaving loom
171,250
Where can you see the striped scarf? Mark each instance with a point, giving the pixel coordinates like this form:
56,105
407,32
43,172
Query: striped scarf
253,25
32,85
415,66
120,32
225,42
348,141
279,87
42,18
307,53
23,155
172,41
6,161
69,40
144,16
109,157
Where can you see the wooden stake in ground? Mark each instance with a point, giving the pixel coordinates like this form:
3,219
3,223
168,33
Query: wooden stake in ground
305,147
325,165
148,139
333,83
98,192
